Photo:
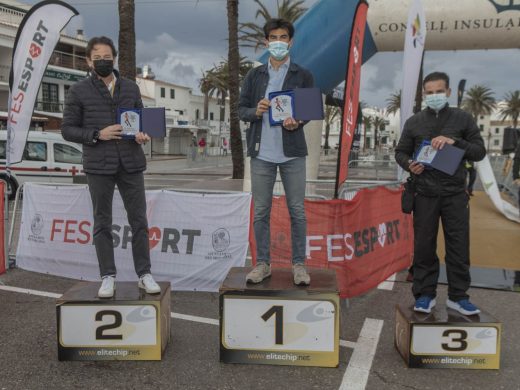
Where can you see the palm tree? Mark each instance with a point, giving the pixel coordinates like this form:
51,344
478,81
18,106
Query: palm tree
233,83
379,124
205,87
367,123
252,34
511,108
479,100
127,39
393,103
331,112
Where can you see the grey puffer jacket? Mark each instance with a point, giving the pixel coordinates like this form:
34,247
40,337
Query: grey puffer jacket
457,125
90,107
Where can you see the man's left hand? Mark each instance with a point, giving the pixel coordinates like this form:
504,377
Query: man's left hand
142,138
291,124
440,141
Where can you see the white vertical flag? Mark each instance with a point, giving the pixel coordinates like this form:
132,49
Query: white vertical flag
413,51
35,41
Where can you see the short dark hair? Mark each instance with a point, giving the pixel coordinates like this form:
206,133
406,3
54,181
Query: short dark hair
100,41
274,24
435,76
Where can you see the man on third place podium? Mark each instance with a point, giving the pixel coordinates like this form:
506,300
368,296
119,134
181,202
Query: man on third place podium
89,118
276,147
439,195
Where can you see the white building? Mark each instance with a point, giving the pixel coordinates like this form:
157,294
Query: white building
66,66
492,129
184,116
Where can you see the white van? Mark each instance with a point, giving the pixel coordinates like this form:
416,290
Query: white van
47,158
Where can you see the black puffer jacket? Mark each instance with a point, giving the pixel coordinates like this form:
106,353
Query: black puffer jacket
90,107
458,125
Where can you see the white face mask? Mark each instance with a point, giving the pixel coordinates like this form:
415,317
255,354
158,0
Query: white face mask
436,101
278,50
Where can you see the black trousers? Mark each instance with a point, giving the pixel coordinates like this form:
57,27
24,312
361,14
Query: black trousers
453,211
472,176
131,188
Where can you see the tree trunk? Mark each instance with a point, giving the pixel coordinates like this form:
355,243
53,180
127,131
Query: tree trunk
237,152
206,105
127,39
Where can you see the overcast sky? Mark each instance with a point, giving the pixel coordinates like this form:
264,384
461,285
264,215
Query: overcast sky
180,38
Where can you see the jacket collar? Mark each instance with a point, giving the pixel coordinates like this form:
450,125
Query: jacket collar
442,111
292,67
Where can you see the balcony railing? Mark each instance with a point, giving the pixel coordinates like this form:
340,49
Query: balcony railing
43,105
67,60
11,16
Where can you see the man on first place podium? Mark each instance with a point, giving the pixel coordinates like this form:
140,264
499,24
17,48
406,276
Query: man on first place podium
276,147
439,195
89,119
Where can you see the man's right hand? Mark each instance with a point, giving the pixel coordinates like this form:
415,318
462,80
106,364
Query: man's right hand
416,168
110,132
261,107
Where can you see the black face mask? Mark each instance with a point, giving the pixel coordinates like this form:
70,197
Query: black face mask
104,67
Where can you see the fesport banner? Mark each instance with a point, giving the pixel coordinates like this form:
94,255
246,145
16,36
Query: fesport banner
36,38
487,177
412,58
194,238
351,98
365,240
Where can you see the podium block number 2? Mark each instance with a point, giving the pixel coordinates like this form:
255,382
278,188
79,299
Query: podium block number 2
108,325
118,320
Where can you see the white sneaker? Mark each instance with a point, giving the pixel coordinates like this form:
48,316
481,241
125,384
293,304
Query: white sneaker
147,283
107,287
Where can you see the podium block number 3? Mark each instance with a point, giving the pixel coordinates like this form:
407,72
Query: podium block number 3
277,311
118,321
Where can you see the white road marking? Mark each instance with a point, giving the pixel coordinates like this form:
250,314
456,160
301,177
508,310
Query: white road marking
186,317
358,369
388,284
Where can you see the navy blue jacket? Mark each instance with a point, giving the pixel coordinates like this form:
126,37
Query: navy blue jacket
253,90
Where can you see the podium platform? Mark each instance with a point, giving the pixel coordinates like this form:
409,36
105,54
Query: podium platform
276,322
132,325
447,339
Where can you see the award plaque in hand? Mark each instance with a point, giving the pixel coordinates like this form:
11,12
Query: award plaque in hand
281,107
130,120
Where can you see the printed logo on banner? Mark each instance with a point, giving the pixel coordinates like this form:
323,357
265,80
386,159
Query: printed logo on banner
506,5
36,229
416,31
220,240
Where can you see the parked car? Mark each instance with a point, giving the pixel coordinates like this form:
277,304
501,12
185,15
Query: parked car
47,158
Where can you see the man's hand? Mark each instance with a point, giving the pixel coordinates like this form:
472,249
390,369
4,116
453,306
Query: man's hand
416,168
440,141
291,124
517,182
110,132
261,107
142,138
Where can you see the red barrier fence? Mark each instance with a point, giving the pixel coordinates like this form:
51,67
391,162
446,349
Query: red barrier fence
365,240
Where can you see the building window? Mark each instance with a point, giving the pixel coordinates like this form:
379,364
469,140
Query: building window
482,117
172,93
211,116
66,89
163,92
197,114
50,97
496,142
497,131
481,127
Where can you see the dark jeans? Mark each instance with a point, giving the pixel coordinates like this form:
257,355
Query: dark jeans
131,188
454,214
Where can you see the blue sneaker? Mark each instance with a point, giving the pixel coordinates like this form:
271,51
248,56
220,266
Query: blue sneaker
464,306
424,304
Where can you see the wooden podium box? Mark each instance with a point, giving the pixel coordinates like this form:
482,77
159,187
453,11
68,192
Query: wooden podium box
276,322
132,325
447,339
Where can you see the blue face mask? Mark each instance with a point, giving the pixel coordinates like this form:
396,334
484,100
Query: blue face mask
437,101
278,50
